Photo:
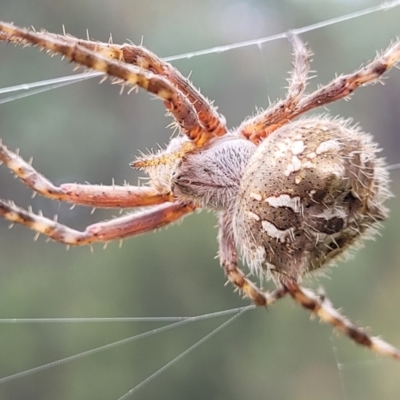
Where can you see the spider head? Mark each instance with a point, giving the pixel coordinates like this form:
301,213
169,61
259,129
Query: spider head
209,176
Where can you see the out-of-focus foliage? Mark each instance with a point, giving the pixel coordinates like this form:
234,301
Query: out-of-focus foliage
88,132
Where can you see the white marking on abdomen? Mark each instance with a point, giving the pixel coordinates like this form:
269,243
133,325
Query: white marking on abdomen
284,200
329,145
276,233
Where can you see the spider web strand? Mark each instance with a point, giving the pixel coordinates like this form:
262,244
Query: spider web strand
184,353
75,357
70,79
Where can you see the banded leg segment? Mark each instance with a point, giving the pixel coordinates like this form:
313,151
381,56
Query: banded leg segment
259,297
322,307
175,101
87,195
180,97
259,127
145,59
211,121
118,228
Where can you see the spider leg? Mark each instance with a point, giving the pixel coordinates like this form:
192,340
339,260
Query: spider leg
228,260
145,59
325,311
175,101
343,86
88,195
133,65
117,228
259,127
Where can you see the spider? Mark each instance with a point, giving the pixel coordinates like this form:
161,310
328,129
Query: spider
292,196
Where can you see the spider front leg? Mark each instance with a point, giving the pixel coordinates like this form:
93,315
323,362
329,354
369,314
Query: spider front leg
81,194
323,308
228,261
141,57
118,228
174,100
259,127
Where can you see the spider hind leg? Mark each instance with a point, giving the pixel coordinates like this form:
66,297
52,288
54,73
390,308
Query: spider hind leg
115,229
322,307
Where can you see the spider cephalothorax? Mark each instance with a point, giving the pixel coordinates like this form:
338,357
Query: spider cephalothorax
290,195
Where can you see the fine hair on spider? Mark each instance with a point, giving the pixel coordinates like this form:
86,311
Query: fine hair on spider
292,196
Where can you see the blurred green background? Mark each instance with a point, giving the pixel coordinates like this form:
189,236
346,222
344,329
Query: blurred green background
88,132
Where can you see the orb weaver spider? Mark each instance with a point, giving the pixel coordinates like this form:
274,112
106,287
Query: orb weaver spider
291,196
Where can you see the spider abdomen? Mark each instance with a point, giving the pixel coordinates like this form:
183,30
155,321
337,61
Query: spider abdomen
310,191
